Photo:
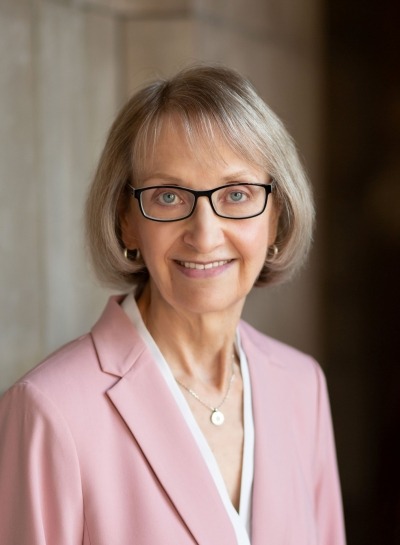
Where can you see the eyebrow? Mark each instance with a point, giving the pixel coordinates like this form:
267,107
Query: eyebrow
172,180
232,177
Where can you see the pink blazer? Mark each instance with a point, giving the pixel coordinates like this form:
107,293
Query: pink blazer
94,451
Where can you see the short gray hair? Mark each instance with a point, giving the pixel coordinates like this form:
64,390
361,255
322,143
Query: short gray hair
203,98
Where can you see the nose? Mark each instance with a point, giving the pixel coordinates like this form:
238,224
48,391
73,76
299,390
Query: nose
204,229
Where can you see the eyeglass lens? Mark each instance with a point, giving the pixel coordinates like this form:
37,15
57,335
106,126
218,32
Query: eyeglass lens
233,201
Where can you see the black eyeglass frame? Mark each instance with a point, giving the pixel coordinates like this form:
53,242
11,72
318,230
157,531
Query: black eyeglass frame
137,192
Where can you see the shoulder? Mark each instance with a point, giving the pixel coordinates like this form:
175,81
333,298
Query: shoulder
56,380
76,376
295,374
77,362
276,352
75,357
288,381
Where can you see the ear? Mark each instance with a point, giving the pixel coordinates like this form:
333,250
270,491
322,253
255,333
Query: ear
128,232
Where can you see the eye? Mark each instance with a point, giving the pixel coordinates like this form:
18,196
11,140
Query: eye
236,196
167,198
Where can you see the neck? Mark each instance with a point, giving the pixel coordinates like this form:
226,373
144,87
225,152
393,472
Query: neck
197,347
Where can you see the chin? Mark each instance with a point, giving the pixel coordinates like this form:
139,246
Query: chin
208,304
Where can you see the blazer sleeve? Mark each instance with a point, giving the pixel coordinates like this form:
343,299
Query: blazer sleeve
328,502
40,487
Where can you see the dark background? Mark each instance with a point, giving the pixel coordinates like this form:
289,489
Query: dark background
360,212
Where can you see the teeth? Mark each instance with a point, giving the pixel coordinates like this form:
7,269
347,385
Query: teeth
203,266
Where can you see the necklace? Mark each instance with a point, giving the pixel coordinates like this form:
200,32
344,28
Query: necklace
217,417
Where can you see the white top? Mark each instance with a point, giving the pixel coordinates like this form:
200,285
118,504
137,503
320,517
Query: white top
241,521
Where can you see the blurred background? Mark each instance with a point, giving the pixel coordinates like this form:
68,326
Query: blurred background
330,69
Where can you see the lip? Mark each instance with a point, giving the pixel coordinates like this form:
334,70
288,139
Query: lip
203,266
205,269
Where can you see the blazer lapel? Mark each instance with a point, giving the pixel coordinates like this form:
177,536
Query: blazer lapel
144,401
273,457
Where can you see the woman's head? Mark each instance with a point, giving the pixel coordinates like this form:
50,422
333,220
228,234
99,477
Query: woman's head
207,103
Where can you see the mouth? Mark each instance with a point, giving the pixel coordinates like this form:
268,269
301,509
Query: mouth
203,266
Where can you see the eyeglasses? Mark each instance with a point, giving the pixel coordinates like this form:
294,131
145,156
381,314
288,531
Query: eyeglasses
174,203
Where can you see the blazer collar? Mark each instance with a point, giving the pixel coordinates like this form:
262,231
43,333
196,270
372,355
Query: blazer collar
117,342
145,403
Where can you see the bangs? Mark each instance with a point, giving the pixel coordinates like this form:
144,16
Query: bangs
202,130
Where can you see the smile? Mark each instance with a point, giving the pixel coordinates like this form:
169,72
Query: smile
203,266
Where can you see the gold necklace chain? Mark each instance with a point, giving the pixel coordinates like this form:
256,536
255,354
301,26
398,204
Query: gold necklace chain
217,417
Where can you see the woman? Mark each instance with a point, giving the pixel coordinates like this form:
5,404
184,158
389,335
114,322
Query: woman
172,422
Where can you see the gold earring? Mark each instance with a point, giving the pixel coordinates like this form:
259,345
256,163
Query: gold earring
273,252
132,255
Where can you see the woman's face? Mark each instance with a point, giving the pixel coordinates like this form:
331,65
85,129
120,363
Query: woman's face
203,263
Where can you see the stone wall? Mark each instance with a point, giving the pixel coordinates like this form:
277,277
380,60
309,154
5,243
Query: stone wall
65,68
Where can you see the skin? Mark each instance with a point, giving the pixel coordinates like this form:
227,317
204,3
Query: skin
193,314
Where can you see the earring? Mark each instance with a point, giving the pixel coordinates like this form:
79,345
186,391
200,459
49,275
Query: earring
132,255
273,252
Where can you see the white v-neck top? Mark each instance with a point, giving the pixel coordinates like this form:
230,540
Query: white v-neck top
241,521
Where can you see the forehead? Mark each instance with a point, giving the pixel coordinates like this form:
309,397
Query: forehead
172,140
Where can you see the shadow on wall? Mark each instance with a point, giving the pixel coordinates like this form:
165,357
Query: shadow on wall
362,290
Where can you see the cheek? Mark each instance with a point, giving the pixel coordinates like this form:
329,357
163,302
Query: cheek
155,240
256,239
139,229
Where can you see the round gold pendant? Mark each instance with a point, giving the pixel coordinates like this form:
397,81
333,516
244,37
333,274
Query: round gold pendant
217,418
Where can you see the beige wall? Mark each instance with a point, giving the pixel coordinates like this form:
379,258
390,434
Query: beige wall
65,68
